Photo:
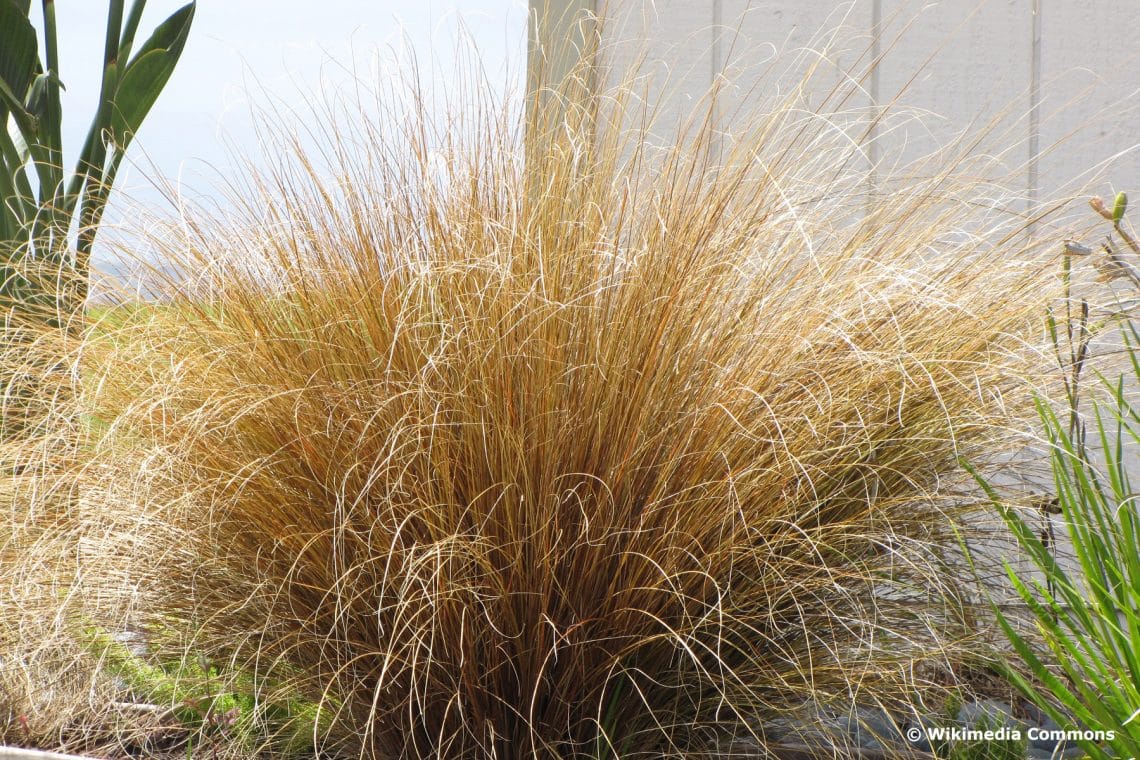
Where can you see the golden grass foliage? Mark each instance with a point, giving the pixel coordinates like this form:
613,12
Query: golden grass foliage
603,455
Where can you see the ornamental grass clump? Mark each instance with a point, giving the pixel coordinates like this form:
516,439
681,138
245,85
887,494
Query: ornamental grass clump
588,450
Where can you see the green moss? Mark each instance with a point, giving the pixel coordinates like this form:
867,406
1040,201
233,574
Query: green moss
213,700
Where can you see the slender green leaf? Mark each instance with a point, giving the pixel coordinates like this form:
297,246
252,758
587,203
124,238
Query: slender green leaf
24,121
171,34
147,74
111,32
18,51
89,169
44,106
28,127
15,154
50,114
130,29
1088,616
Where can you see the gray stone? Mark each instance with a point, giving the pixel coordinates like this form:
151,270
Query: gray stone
740,749
873,728
1054,753
776,729
989,711
786,731
1045,742
924,724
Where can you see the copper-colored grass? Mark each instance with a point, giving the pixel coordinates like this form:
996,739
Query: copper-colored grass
603,455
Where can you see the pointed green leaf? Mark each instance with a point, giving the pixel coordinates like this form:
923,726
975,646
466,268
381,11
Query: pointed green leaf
15,153
147,73
139,88
1118,207
41,94
18,50
130,28
171,34
44,107
25,122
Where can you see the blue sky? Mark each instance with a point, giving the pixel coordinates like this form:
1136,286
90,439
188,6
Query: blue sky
285,48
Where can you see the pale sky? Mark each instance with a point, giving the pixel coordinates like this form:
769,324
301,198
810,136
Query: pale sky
284,46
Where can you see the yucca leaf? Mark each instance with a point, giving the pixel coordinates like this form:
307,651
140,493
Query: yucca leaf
147,74
44,106
130,28
18,146
50,111
15,154
25,121
17,208
18,51
10,219
94,152
28,128
37,102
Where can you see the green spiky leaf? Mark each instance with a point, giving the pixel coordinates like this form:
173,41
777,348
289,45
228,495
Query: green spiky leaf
18,50
40,94
147,73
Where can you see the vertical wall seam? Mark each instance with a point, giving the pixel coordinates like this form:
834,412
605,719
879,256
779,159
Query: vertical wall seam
873,147
594,14
717,20
715,70
1033,178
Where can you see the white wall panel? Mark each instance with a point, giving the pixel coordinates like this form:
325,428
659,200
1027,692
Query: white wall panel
1090,105
955,67
950,67
667,48
815,55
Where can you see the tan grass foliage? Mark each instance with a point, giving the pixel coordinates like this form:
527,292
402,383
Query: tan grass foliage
601,455
60,574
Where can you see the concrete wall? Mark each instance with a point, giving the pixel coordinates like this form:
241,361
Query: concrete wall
1058,78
